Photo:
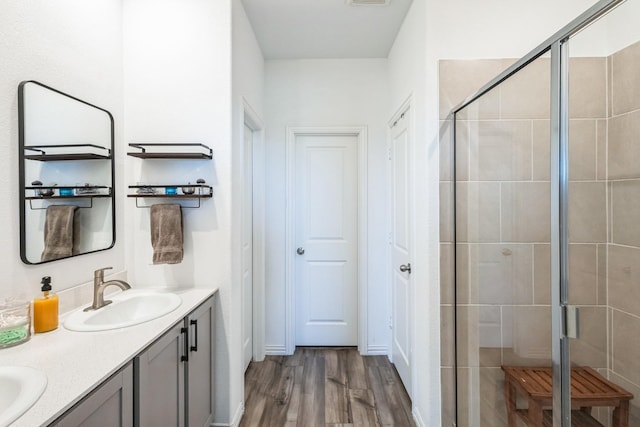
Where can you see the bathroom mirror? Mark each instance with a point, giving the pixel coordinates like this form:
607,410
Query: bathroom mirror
66,150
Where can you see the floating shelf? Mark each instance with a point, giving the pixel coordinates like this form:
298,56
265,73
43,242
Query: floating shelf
44,154
53,198
170,151
82,196
201,191
86,191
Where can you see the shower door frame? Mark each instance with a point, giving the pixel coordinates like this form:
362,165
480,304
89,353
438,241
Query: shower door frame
557,46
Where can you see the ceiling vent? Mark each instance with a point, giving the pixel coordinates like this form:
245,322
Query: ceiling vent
368,2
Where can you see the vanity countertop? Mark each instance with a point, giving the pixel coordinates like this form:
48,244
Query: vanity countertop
76,362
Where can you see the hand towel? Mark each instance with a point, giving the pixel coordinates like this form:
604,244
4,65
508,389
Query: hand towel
59,232
166,233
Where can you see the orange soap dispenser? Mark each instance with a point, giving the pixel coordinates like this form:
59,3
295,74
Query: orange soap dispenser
45,309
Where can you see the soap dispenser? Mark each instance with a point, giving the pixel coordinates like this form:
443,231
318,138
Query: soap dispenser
45,309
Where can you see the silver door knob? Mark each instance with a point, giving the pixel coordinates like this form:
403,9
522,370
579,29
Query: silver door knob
406,268
300,251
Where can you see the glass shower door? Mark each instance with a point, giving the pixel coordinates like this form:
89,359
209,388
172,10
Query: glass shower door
502,249
604,219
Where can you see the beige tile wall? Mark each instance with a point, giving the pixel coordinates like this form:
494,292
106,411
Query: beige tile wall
623,173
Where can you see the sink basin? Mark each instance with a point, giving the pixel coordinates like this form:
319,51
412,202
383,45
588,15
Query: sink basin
20,388
128,308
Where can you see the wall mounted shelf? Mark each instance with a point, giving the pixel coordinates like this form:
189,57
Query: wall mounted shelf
54,198
201,191
190,151
60,152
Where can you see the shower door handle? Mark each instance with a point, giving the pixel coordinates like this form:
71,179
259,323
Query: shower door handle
572,321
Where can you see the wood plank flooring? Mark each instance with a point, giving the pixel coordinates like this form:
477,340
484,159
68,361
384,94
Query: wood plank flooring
325,387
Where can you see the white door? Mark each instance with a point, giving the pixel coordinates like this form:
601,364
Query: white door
326,236
247,249
400,249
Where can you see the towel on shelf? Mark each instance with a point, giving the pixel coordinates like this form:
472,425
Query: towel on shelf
166,233
59,232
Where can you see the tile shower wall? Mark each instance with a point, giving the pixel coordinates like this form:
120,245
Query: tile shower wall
503,226
623,173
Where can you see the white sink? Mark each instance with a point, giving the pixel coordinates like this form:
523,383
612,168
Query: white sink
128,308
20,388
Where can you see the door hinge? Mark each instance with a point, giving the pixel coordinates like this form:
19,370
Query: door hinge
389,238
389,152
390,322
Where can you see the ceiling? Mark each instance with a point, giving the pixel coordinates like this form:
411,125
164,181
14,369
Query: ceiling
292,29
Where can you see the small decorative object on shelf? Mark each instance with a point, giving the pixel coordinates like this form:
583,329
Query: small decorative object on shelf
145,190
86,189
66,192
200,182
188,189
42,192
171,191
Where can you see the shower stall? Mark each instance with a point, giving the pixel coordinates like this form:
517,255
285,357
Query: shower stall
540,234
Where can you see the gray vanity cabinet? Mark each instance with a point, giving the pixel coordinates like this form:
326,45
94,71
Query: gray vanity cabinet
111,404
200,378
160,373
175,374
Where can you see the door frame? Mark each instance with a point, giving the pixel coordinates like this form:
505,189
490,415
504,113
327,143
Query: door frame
255,123
360,132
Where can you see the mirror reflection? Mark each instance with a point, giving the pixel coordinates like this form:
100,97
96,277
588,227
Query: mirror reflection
66,175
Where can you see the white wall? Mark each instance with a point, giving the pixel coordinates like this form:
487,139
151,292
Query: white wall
457,29
610,34
326,93
248,85
177,66
76,47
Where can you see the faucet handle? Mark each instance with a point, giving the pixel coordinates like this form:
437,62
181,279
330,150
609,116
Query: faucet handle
99,273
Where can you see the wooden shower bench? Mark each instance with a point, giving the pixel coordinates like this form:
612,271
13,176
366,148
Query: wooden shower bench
588,389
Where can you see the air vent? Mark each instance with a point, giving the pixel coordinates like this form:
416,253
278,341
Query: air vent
368,2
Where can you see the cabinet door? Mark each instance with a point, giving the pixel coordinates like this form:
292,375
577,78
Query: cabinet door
200,381
160,371
110,405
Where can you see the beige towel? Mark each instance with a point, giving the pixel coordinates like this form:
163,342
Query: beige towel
166,233
59,232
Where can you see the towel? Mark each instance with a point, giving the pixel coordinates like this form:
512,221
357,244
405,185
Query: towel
166,233
59,237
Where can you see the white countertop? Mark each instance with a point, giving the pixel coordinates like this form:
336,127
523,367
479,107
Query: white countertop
76,362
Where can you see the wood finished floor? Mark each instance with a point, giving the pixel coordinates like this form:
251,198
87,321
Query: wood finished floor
325,387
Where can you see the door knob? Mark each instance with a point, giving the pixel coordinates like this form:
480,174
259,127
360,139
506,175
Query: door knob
406,268
300,251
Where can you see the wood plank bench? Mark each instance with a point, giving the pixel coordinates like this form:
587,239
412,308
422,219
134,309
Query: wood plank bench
588,389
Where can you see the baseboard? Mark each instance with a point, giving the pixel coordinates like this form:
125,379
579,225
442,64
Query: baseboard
418,418
275,350
377,350
236,418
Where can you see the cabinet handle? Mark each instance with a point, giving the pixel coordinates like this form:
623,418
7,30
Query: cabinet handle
185,338
194,322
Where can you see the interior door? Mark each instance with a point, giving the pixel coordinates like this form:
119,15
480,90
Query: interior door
247,249
401,249
326,215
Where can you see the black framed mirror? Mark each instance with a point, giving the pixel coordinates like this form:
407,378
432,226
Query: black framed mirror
67,180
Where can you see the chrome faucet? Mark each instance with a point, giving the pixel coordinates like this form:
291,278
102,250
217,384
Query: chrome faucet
99,285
